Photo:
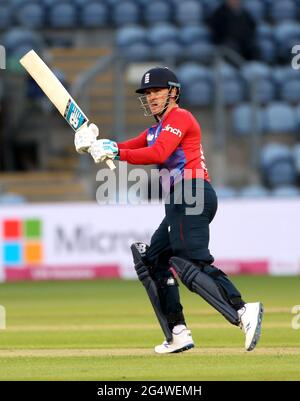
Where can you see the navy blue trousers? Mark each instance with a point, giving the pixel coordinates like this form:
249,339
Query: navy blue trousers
186,235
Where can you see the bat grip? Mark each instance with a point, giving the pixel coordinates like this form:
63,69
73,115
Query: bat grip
110,164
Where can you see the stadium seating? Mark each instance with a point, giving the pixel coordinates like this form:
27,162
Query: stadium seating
197,84
254,191
198,94
194,33
274,151
226,192
199,51
232,84
162,32
17,40
289,191
188,12
130,35
296,156
290,91
63,15
11,199
257,9
157,11
94,15
169,50
242,119
280,173
6,16
287,34
280,118
126,12
31,15
282,10
259,74
277,165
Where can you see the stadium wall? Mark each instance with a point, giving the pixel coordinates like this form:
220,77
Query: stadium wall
83,241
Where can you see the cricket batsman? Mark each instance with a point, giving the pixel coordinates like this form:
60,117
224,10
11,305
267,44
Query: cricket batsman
181,242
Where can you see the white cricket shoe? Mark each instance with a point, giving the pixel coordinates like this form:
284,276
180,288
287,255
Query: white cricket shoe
182,341
250,322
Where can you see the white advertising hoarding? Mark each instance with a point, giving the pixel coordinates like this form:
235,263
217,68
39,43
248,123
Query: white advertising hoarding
86,240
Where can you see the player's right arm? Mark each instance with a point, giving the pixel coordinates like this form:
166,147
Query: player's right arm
135,143
87,136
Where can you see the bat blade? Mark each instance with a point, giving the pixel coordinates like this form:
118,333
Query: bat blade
56,92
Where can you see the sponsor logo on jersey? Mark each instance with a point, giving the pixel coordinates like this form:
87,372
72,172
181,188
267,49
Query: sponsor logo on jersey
175,131
150,137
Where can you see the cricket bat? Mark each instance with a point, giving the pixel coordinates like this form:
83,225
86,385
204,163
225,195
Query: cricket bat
56,92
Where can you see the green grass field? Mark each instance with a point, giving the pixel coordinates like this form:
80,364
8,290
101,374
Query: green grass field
106,330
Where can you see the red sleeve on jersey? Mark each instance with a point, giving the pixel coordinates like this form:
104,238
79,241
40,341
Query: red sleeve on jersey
135,143
173,130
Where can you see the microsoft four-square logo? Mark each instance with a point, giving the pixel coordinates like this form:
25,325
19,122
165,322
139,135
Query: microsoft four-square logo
22,242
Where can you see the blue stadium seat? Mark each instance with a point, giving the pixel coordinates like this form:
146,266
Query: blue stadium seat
280,173
189,73
280,118
199,93
137,52
162,32
287,191
126,12
169,50
287,34
49,3
277,164
199,51
17,3
290,91
296,156
94,15
157,11
63,15
283,74
267,50
242,119
233,91
209,6
226,192
129,35
261,75
22,37
6,16
274,151
113,2
188,12
194,34
255,70
283,10
257,9
227,71
254,191
264,31
31,15
233,86
12,199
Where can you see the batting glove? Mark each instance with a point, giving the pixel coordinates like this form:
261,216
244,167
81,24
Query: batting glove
85,137
104,149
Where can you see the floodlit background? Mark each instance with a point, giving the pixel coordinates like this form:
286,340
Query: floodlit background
240,76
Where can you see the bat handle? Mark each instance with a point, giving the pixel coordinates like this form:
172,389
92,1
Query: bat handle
110,164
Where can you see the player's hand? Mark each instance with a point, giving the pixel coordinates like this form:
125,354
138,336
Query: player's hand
85,137
103,149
